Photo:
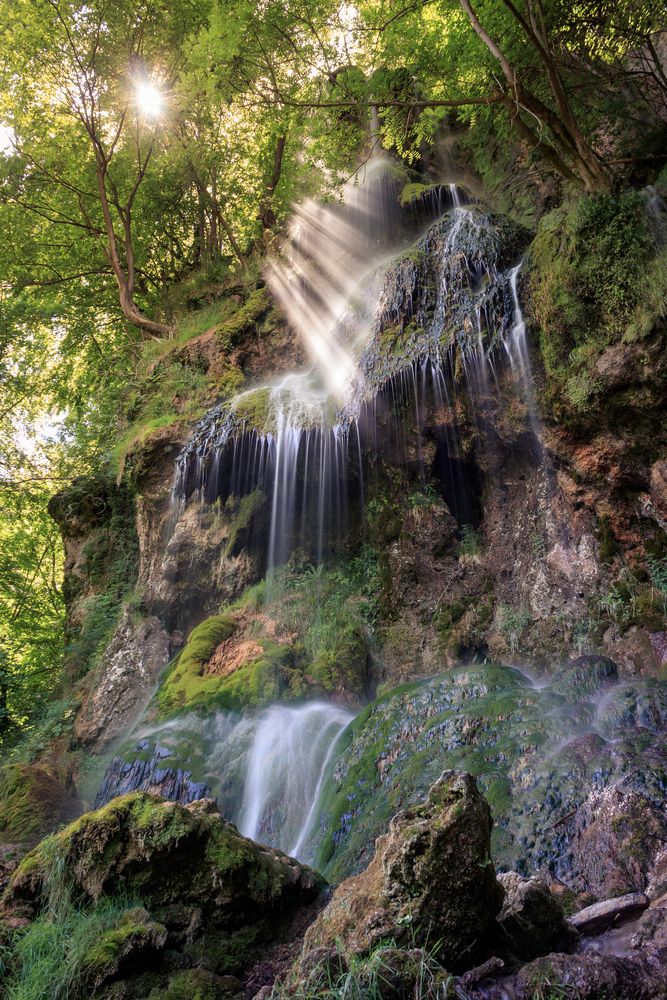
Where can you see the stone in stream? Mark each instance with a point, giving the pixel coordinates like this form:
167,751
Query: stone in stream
432,879
596,918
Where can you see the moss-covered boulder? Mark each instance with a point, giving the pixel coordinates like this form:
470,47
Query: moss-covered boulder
219,895
432,879
536,751
32,804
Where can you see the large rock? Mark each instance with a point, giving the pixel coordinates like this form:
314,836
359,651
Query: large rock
432,879
616,836
219,896
531,918
590,976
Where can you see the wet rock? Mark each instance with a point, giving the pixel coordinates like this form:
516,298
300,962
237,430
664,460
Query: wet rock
591,977
431,879
537,753
617,833
220,896
153,775
531,918
585,675
124,680
596,918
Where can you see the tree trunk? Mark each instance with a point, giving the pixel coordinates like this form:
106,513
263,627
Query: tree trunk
125,280
572,156
267,213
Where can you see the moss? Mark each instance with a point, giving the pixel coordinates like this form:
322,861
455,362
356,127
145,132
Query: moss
32,803
186,683
244,319
606,540
192,984
252,409
592,278
243,512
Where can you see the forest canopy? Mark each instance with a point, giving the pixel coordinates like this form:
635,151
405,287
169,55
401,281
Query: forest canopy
143,144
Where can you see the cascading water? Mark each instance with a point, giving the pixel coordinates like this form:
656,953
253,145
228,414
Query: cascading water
436,319
266,770
290,753
398,342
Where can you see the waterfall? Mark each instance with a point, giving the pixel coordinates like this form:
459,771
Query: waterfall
267,770
290,753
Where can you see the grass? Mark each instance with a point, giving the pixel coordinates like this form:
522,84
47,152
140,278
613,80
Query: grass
386,971
61,949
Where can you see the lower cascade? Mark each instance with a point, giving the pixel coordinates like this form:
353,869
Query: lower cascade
267,770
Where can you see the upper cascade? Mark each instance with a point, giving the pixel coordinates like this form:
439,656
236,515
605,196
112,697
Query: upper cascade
436,315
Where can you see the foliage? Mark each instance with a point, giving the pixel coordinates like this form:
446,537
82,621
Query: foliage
53,956
349,977
592,281
512,622
471,543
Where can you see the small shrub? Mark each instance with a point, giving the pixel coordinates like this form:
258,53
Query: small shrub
512,622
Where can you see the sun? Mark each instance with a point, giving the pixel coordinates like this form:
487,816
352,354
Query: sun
150,100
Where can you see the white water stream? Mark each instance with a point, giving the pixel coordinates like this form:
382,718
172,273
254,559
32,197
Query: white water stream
290,754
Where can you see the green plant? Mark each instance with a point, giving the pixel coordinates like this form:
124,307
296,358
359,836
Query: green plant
512,622
471,543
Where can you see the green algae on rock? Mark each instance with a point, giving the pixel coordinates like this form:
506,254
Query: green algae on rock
187,866
535,752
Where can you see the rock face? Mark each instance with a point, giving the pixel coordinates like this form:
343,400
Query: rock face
218,896
432,879
123,681
573,771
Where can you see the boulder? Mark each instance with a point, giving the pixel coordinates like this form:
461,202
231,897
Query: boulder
596,918
431,879
585,675
220,896
591,976
617,833
531,917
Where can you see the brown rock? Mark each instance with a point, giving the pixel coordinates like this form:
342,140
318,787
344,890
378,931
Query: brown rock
596,918
658,487
431,879
616,836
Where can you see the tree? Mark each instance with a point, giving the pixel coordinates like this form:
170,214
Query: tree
83,144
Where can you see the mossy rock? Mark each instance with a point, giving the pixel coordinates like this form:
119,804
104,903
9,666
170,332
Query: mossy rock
179,861
535,753
134,939
268,675
195,984
32,804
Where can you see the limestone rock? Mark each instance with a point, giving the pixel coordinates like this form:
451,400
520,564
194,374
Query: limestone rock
617,834
219,895
124,680
431,879
597,917
591,976
585,675
531,917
